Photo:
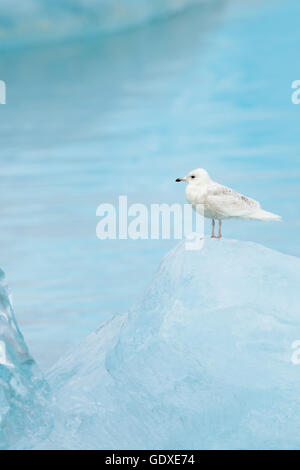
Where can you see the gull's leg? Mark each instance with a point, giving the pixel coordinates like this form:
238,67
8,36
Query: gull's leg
220,229
213,228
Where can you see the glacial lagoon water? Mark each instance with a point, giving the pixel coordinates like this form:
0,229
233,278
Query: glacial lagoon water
95,116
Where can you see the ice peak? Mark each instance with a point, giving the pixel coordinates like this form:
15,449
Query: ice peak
204,360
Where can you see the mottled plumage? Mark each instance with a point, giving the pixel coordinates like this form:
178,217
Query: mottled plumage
220,202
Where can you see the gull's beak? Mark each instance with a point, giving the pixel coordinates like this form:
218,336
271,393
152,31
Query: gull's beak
180,179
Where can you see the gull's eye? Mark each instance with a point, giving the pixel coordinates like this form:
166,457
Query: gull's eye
193,176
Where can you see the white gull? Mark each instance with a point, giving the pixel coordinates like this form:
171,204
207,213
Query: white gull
219,202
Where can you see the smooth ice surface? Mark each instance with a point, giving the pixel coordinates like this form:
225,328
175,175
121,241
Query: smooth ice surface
23,391
206,359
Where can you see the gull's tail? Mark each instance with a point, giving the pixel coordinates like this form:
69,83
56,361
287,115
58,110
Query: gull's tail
264,215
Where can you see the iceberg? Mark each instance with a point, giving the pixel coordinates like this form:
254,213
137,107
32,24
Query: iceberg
207,359
23,391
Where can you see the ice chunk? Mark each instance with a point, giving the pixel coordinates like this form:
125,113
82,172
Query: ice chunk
206,359
23,391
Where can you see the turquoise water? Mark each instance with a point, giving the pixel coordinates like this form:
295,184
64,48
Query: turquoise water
90,118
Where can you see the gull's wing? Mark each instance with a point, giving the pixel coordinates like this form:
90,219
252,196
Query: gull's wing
226,202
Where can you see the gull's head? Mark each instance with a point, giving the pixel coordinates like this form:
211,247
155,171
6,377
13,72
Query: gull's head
196,177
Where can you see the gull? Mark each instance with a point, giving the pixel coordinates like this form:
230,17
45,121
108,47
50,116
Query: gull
217,202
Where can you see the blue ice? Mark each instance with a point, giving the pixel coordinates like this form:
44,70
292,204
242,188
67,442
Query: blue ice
24,394
208,358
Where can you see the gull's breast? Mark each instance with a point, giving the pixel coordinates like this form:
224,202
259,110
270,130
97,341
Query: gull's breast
197,198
